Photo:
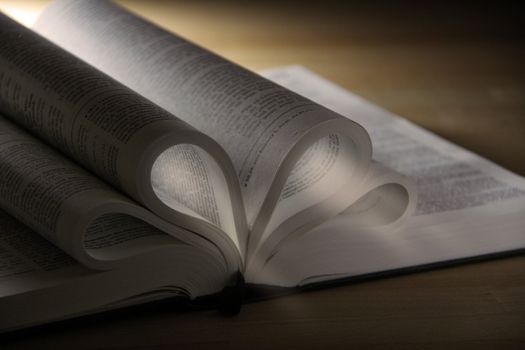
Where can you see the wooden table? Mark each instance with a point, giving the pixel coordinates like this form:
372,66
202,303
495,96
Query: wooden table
456,69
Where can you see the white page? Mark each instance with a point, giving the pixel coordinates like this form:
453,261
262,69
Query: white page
468,206
298,163
113,132
263,127
117,134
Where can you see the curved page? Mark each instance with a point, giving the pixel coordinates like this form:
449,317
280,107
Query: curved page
98,226
381,203
273,136
118,135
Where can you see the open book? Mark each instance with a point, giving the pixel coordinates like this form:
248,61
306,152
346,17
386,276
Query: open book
137,166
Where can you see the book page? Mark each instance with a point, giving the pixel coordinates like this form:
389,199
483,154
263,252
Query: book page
72,208
265,129
23,251
467,206
117,135
384,200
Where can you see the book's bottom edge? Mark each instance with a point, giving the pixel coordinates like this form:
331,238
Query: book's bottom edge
252,293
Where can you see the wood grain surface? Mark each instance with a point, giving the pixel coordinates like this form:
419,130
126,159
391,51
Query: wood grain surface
455,68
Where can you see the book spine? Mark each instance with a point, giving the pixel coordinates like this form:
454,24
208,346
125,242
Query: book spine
232,296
